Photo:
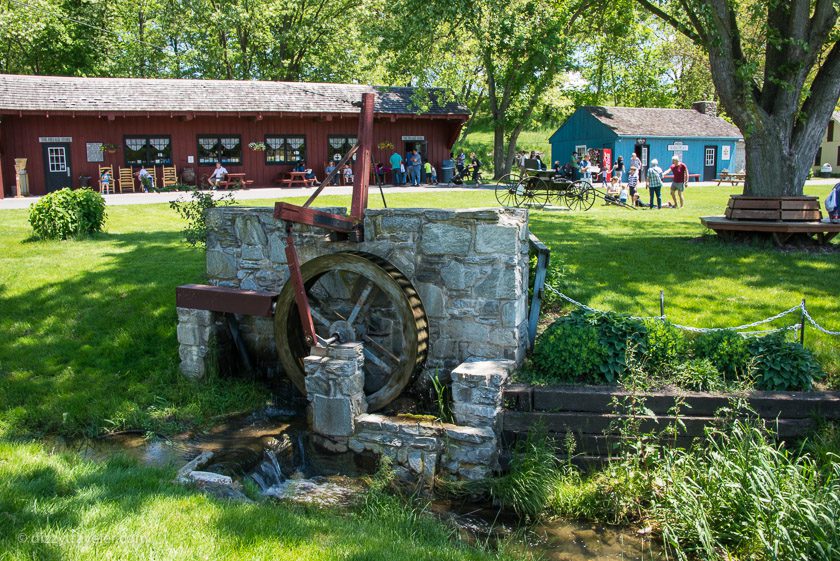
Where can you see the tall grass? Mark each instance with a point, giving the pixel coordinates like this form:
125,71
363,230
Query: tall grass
742,496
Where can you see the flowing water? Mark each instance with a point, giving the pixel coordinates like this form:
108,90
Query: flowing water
274,450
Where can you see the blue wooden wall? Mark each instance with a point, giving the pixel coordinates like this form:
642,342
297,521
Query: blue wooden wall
584,129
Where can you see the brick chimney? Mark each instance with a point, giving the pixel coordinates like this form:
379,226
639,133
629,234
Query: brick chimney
705,107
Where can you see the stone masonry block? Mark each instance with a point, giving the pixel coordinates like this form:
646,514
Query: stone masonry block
496,240
444,239
194,334
332,416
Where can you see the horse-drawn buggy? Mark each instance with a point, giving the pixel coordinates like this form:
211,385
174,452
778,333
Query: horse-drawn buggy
538,188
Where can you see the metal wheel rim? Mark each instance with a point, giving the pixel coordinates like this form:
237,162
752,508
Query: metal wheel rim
506,190
532,191
291,347
587,195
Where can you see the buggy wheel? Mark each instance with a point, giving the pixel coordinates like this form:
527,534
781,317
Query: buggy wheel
532,192
587,194
506,190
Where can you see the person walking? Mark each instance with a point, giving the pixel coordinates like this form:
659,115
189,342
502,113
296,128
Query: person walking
679,173
618,169
396,162
414,164
475,167
654,183
459,163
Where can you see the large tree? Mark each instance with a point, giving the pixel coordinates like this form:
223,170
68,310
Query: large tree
511,52
776,68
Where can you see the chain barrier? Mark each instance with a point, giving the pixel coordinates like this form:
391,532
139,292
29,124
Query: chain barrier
813,322
798,308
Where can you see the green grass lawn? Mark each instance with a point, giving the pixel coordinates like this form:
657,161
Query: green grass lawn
90,346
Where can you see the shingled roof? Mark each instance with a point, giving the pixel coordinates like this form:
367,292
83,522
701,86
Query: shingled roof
136,95
644,121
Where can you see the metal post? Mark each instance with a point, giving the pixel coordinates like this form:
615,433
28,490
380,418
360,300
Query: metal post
662,303
802,327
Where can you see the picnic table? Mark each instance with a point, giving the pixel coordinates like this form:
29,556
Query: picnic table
297,179
236,181
731,177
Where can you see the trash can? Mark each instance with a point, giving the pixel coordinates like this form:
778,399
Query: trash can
825,170
447,170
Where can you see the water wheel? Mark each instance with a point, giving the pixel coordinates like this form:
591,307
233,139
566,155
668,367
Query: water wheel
363,298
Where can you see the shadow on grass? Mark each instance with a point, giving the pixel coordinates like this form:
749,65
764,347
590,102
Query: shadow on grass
99,342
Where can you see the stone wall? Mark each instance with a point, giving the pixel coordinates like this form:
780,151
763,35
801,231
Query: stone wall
421,450
470,268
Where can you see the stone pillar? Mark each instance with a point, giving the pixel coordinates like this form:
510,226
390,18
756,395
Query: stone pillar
197,339
335,388
477,392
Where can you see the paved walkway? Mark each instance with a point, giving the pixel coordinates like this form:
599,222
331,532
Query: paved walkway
241,195
287,193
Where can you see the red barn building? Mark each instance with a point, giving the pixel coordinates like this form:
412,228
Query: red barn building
59,124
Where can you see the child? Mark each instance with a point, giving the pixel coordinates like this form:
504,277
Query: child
632,184
347,172
105,182
622,197
434,173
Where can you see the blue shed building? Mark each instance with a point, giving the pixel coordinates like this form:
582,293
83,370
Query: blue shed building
706,143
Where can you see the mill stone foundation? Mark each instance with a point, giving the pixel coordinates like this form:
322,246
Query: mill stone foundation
470,268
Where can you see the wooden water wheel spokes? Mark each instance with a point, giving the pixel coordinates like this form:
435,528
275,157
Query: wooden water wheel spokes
357,297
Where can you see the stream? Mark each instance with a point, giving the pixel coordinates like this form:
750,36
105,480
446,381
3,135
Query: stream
272,450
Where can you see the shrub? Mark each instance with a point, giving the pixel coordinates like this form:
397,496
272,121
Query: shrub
68,214
588,346
697,374
726,350
195,213
666,345
783,365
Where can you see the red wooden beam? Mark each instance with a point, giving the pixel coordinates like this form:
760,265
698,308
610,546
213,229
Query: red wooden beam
225,299
361,175
301,215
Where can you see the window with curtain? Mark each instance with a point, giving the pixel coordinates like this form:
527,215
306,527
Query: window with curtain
285,149
337,146
148,150
225,149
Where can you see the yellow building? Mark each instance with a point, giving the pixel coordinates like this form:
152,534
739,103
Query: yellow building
829,151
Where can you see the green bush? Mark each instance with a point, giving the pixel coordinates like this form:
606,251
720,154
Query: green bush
666,345
67,214
588,346
783,365
727,350
697,374
195,213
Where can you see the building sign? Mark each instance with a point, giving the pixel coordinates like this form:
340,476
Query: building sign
410,138
678,146
606,161
641,141
46,139
724,153
94,152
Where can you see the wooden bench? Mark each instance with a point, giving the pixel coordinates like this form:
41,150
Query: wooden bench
785,218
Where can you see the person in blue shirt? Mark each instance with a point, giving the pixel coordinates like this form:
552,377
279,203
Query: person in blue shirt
396,162
414,163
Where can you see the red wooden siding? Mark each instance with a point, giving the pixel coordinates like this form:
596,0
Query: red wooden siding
20,140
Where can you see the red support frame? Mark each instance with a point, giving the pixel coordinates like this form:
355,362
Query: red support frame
295,214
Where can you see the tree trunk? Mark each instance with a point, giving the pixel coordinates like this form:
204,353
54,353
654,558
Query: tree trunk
498,151
511,149
776,168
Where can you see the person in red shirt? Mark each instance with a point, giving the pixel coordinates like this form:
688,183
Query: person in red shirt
679,173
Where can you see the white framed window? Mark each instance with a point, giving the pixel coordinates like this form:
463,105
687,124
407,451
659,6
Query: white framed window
580,149
57,157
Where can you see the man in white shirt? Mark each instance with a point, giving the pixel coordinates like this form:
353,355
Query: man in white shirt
217,176
145,179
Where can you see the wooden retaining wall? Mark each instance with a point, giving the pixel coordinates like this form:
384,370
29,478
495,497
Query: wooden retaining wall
588,412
